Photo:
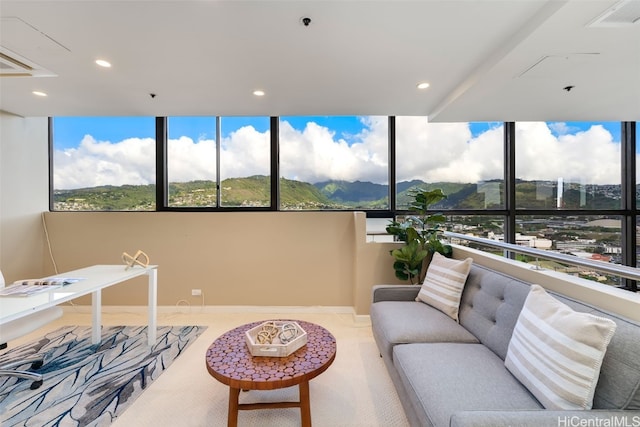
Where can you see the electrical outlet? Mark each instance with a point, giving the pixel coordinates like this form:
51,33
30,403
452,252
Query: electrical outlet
196,292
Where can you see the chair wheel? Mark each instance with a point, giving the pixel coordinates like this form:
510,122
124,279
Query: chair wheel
37,364
36,384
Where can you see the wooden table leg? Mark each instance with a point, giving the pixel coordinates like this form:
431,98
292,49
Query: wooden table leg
232,417
305,406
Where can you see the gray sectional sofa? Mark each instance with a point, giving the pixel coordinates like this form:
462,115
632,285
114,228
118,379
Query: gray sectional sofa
453,374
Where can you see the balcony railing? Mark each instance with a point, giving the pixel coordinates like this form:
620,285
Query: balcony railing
614,269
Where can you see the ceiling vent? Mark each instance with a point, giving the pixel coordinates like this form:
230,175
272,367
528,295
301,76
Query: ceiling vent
16,35
621,14
14,65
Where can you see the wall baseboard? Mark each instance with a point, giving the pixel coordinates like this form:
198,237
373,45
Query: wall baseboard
195,309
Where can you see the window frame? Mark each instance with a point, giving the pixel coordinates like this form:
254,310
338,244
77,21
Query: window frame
629,210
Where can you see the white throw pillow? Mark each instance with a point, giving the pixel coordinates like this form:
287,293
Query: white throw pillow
443,284
557,352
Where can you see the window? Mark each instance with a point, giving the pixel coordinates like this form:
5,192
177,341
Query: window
245,162
568,165
242,158
465,160
103,163
191,161
334,163
591,237
568,181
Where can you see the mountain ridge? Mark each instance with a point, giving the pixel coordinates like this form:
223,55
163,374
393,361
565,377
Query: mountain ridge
255,191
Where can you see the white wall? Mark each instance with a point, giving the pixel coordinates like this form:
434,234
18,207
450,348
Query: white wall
24,194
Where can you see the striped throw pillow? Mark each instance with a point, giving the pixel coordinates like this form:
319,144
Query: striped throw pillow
443,284
557,352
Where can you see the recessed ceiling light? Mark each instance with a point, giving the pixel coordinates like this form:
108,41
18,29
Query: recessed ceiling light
38,93
423,85
258,92
103,63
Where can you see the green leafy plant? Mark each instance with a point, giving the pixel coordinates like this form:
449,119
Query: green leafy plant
421,233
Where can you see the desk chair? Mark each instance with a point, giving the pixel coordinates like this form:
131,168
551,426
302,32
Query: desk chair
19,327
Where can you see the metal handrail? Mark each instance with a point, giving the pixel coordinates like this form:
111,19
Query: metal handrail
616,269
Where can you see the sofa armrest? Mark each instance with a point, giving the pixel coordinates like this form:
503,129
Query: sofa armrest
395,292
542,418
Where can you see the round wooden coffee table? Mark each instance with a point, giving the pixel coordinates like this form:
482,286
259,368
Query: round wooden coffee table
229,361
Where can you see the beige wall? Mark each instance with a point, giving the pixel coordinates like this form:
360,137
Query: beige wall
271,259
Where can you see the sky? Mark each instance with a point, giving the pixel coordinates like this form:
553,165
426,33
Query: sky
90,151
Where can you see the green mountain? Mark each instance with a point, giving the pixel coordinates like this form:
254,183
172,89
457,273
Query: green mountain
357,191
255,191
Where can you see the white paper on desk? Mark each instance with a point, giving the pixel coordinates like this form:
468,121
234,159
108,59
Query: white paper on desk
24,288
49,281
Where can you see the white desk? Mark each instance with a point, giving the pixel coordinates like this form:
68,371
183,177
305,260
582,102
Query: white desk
94,279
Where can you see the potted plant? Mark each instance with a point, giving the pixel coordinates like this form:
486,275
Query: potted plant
421,234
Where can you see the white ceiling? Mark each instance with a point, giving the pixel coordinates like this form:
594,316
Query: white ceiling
486,60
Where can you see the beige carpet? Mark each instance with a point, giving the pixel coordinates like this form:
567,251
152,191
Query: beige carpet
354,391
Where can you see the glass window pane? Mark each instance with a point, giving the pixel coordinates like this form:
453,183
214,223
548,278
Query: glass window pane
245,161
465,160
572,165
592,237
334,162
484,226
191,161
637,242
637,166
104,163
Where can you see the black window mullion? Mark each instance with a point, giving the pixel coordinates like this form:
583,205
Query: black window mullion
51,189
510,182
162,186
392,165
629,203
218,186
274,134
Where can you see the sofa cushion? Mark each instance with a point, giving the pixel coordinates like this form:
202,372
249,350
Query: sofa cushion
443,284
557,352
619,382
401,322
490,306
449,377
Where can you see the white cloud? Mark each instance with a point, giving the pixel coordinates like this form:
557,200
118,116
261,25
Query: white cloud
431,152
589,157
94,163
316,154
190,161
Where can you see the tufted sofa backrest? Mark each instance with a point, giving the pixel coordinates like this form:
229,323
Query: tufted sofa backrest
489,309
490,306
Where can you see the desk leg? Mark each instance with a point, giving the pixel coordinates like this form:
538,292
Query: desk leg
153,306
232,417
96,316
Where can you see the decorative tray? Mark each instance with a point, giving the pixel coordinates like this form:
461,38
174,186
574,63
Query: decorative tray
276,338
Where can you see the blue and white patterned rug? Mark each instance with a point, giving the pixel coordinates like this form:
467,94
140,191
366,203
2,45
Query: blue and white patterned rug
87,384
